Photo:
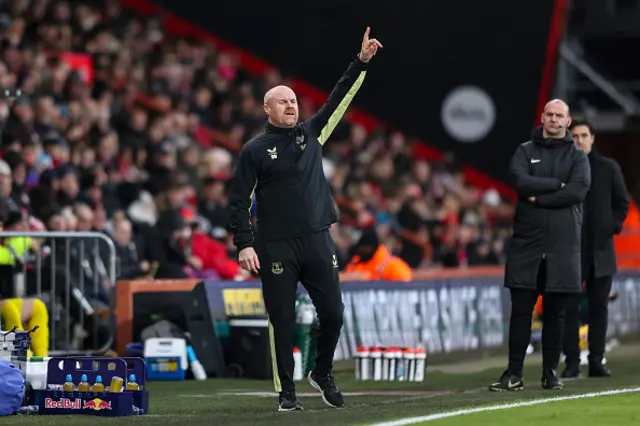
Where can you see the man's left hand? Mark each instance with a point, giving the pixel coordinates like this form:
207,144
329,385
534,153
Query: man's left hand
369,46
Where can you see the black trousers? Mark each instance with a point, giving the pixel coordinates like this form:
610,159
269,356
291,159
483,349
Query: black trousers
311,260
522,304
597,290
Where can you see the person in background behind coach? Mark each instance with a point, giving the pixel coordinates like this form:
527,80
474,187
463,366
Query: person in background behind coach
374,261
605,210
283,167
551,177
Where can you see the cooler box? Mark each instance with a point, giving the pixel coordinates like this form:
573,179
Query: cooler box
166,358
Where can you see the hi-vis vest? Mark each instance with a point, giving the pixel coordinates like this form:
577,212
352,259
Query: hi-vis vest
14,248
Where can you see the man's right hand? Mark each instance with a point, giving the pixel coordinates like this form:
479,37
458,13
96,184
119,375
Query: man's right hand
369,47
249,260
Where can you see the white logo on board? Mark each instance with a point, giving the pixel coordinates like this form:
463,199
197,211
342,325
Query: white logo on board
468,114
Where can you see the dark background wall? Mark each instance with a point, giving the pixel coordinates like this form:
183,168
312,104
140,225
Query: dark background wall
431,48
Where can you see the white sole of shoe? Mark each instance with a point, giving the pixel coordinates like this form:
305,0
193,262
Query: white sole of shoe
319,389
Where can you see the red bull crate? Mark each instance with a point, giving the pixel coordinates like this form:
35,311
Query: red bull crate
55,400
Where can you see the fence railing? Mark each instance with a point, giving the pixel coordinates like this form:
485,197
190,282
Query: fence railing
74,274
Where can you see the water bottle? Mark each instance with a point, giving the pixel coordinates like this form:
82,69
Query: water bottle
376,357
365,364
421,364
410,365
305,319
400,366
387,357
297,365
393,364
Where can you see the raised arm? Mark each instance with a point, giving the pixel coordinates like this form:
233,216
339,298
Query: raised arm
329,115
523,183
244,184
575,191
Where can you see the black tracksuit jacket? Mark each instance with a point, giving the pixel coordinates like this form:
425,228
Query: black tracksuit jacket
283,167
550,227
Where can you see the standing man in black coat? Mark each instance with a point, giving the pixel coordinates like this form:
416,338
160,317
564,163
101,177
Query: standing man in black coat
605,210
551,177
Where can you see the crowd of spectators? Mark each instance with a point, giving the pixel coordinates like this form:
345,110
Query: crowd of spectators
118,148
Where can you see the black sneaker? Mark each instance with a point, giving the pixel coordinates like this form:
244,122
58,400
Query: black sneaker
571,371
289,402
331,395
598,369
550,381
507,383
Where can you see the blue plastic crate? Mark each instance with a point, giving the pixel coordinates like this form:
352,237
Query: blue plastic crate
108,404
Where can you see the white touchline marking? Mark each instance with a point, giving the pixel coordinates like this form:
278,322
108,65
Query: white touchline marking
438,416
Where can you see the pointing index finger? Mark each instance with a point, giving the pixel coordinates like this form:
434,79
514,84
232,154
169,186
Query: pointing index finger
366,34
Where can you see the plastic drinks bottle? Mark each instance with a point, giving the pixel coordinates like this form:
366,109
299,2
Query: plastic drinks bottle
131,384
365,364
358,362
298,373
98,386
84,385
304,328
376,356
68,384
400,365
421,364
116,384
410,364
393,367
387,357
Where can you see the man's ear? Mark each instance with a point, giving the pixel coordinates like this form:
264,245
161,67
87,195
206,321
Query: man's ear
266,109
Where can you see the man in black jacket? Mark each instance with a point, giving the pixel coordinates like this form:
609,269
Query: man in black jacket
551,177
606,208
283,168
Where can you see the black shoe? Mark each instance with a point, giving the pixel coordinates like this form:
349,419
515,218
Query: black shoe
598,369
289,402
572,371
331,395
508,383
550,381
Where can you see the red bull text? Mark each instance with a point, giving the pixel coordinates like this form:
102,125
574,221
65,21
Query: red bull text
73,404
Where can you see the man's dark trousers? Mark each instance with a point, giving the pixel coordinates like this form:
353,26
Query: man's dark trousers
553,307
597,290
605,210
311,260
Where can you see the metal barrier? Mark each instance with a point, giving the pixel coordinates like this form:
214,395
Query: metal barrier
67,271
